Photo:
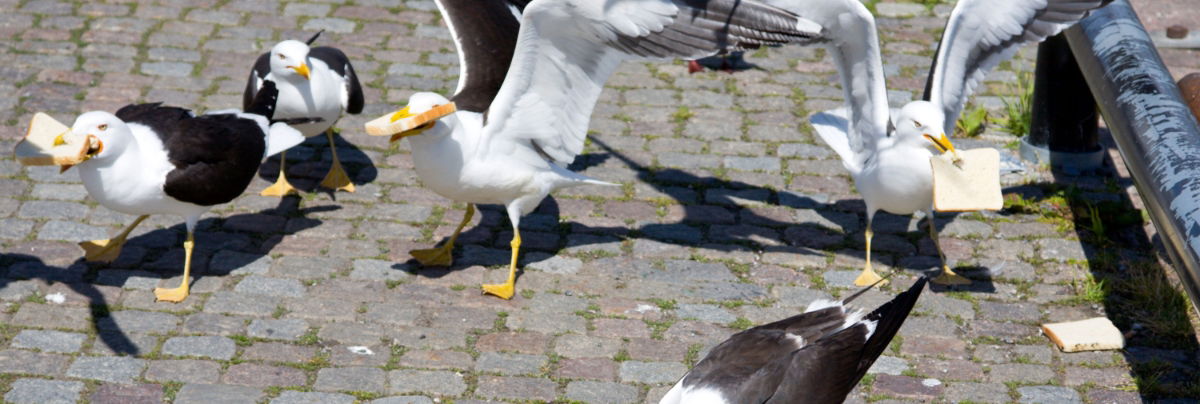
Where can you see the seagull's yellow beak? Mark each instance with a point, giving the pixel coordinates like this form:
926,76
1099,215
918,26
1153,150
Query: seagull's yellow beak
942,143
302,70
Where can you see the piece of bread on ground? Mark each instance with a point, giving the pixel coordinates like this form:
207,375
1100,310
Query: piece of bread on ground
383,126
1094,334
38,149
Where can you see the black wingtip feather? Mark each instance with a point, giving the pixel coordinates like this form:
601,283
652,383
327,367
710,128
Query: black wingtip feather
890,316
314,37
264,100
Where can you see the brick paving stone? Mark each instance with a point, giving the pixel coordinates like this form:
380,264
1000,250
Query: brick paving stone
403,400
580,346
127,394
1019,372
40,391
107,369
49,341
278,352
586,368
285,329
602,392
206,347
519,342
257,375
184,371
117,343
298,397
351,379
1048,394
426,381
217,393
210,323
139,322
261,285
510,364
977,392
523,388
651,372
437,360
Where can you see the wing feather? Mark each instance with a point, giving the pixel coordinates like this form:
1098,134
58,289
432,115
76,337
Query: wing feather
982,33
567,49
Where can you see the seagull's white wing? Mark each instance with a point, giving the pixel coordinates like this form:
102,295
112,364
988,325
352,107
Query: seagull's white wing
983,33
566,50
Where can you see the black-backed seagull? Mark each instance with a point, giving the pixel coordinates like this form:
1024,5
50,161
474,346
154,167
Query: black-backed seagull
152,159
512,151
814,357
313,82
889,159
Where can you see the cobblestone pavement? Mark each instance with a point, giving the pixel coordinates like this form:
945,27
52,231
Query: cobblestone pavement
731,215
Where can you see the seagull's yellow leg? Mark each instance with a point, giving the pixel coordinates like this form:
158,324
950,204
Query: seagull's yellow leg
868,276
336,179
108,250
443,256
176,295
948,277
505,290
281,187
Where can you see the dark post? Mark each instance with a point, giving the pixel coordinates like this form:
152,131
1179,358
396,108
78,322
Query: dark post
1063,131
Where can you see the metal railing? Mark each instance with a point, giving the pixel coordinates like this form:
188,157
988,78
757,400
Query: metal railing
1156,133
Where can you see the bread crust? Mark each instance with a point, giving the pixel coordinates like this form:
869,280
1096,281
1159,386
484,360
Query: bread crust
383,126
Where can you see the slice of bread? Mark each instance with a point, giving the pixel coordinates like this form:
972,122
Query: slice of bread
971,185
38,149
1093,334
383,126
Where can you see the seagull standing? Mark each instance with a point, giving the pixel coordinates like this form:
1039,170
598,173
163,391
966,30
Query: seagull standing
814,357
518,124
151,159
889,159
313,83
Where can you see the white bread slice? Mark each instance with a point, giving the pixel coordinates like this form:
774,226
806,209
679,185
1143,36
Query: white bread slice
973,184
1094,334
38,149
383,126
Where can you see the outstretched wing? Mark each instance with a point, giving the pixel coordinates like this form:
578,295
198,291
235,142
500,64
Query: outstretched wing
983,33
258,74
568,48
485,34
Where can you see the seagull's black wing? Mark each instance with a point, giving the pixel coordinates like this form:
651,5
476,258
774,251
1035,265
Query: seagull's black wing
258,74
215,158
485,34
338,62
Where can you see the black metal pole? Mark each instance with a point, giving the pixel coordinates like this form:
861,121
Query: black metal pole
1064,112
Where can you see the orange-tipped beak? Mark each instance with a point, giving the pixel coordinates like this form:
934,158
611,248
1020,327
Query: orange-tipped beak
302,70
942,143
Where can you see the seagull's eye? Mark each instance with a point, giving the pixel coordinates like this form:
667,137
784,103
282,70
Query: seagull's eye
102,127
281,57
917,125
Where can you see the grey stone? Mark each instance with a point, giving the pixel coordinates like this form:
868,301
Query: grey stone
70,231
49,341
285,329
39,391
888,365
206,347
651,372
184,371
602,392
509,363
261,285
977,392
403,400
557,265
426,381
378,270
1048,395
138,322
108,369
52,210
297,397
239,263
350,379
217,393
704,312
172,69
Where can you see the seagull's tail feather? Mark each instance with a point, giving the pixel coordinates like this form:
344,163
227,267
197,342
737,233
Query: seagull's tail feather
888,318
832,127
568,178
282,137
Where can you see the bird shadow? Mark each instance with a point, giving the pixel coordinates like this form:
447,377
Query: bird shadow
223,247
308,162
731,63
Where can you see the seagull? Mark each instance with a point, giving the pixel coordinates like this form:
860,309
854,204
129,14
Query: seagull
519,124
887,151
313,83
814,357
152,159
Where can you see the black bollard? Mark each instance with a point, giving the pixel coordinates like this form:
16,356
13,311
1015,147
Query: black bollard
1063,131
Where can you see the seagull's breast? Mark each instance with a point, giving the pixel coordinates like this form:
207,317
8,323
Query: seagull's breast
897,180
319,97
132,182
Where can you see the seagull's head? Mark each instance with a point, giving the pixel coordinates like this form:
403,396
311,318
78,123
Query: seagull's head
289,59
424,110
920,122
105,133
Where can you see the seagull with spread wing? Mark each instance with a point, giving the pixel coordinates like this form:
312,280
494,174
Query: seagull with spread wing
887,152
531,74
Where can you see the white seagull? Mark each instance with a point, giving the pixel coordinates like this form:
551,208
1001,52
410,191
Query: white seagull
814,357
512,150
150,159
313,83
889,159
